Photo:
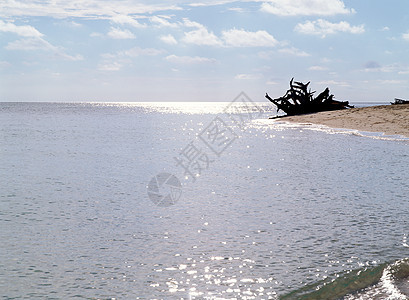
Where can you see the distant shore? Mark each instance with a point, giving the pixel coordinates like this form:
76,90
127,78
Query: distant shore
389,119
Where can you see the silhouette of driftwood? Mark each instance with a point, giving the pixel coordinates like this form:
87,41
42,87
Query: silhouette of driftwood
400,101
299,100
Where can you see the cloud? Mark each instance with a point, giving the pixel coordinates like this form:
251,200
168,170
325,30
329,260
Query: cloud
69,24
237,9
127,20
32,44
323,28
110,66
116,61
24,30
405,36
136,51
131,53
33,41
202,37
229,38
305,8
294,51
247,76
168,39
243,38
391,81
317,68
290,51
189,23
404,72
189,59
162,22
333,82
212,3
373,66
102,9
117,33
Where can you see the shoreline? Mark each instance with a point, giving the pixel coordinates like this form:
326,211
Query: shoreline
389,119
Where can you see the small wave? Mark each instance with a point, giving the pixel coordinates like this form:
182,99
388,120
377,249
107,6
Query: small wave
282,125
385,281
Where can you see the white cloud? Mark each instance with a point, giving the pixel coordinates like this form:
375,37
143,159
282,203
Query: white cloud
189,59
333,82
74,24
123,56
305,8
323,28
110,66
392,81
211,3
237,9
32,44
404,71
373,66
103,9
229,38
201,36
162,22
127,20
136,51
317,68
294,51
247,76
117,33
70,24
405,36
168,39
24,30
189,23
243,38
33,41
116,61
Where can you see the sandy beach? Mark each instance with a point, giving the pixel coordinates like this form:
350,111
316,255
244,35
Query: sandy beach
389,119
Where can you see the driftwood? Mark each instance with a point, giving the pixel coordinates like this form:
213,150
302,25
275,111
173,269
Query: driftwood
299,100
400,101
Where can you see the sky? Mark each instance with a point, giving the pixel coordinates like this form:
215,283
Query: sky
202,50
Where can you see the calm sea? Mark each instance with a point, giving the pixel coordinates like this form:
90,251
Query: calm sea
189,201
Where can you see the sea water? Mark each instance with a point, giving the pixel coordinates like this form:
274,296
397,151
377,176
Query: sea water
266,210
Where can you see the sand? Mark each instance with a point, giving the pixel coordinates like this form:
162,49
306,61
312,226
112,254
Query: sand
389,119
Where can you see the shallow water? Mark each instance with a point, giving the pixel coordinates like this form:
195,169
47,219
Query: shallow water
281,208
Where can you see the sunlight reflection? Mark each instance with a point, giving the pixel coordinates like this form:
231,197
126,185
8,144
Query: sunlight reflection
183,107
220,277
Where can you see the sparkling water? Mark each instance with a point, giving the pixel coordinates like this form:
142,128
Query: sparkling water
265,209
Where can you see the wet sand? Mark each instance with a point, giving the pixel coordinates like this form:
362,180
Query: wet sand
389,119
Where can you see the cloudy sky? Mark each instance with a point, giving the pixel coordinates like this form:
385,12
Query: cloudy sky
203,50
